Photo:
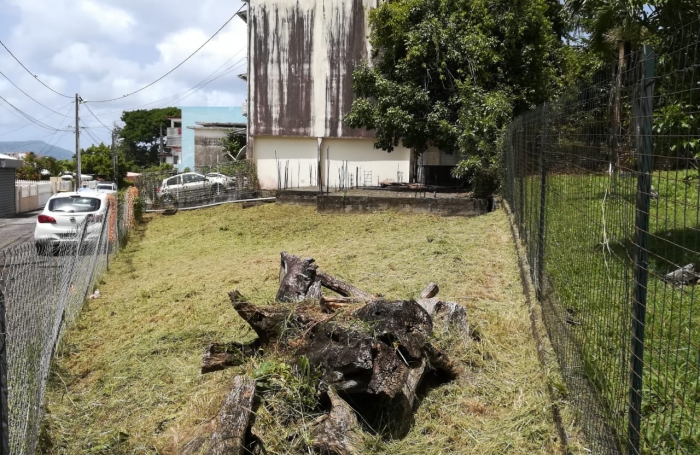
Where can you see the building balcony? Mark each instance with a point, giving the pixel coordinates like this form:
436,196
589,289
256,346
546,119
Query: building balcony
174,138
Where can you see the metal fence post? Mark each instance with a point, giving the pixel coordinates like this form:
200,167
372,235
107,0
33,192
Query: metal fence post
543,203
641,234
4,408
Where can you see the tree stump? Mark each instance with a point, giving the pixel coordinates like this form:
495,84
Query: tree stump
298,281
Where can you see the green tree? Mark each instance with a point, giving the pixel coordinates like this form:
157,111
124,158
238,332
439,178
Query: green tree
140,134
97,159
451,73
30,169
233,142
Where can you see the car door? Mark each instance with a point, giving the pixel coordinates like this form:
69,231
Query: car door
174,186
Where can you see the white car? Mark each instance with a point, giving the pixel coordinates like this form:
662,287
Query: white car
106,187
189,185
58,224
221,179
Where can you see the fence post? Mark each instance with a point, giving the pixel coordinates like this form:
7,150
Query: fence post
641,234
543,203
4,408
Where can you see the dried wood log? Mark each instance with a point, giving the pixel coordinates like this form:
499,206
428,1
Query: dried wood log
431,290
234,419
268,322
219,356
298,280
683,276
343,288
452,314
331,304
337,434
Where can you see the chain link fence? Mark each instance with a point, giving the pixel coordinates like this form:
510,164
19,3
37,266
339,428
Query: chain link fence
42,289
604,188
207,185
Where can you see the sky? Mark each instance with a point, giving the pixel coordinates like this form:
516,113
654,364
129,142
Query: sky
103,49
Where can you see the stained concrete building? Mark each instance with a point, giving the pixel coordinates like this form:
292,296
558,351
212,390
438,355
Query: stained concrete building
301,56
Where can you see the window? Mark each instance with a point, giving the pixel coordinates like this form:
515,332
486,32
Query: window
75,204
173,181
175,159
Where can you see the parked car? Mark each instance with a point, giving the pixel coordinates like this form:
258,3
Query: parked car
221,179
106,187
188,185
58,224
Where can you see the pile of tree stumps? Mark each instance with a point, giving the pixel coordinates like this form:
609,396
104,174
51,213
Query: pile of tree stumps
364,350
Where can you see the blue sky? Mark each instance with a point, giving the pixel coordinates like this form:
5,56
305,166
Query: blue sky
103,49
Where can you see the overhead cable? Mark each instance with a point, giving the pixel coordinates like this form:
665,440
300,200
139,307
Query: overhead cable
38,123
29,96
33,75
176,67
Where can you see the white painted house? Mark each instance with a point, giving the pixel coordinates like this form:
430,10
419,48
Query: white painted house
301,56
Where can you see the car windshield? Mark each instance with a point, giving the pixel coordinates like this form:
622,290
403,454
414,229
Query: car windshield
74,204
104,187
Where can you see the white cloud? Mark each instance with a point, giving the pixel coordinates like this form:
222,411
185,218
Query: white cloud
106,48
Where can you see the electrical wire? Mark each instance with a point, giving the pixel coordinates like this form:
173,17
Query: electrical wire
54,134
176,67
28,124
96,118
30,118
28,95
33,75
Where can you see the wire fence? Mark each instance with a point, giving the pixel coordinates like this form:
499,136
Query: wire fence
42,289
207,185
605,191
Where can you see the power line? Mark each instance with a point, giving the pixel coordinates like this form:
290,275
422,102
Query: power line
96,118
54,133
179,65
24,126
29,96
29,117
33,75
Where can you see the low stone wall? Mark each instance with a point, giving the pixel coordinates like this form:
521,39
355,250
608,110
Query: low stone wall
294,197
462,206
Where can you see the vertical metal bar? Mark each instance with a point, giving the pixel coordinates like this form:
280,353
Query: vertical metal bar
543,202
641,234
4,408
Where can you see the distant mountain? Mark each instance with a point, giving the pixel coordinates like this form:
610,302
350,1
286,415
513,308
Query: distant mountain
41,148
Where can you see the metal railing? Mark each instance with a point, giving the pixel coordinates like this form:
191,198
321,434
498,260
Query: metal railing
604,187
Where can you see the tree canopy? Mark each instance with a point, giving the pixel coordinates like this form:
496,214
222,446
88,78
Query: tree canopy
141,132
451,73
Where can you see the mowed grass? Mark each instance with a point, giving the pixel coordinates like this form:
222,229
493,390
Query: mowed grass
126,379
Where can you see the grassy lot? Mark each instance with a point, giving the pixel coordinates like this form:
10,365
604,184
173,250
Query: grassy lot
589,260
127,381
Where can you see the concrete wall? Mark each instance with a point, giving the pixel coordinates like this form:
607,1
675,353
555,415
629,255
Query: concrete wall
298,155
208,148
340,158
32,195
345,160
339,203
301,57
191,115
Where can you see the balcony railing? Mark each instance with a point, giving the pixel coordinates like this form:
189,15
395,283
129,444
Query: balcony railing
174,141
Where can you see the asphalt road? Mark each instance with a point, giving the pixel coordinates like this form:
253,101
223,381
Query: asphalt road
17,229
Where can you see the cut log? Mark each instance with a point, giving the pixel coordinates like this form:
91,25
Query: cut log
331,304
451,314
338,434
683,276
298,280
270,323
219,356
431,290
234,419
343,288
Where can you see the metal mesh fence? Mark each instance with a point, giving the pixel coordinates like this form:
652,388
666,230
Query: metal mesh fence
208,185
604,188
42,289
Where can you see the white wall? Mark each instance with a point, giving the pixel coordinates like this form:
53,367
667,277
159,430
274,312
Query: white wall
353,157
298,155
349,156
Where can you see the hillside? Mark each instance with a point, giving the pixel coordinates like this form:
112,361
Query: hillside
41,148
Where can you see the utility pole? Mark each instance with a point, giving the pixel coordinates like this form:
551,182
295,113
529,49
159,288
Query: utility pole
160,146
78,180
114,159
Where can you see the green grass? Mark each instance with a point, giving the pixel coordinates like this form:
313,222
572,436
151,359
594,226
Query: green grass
127,381
589,260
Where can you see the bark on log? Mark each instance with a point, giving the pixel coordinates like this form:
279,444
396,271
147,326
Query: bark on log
452,314
430,291
338,434
269,323
234,419
298,280
343,288
219,356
